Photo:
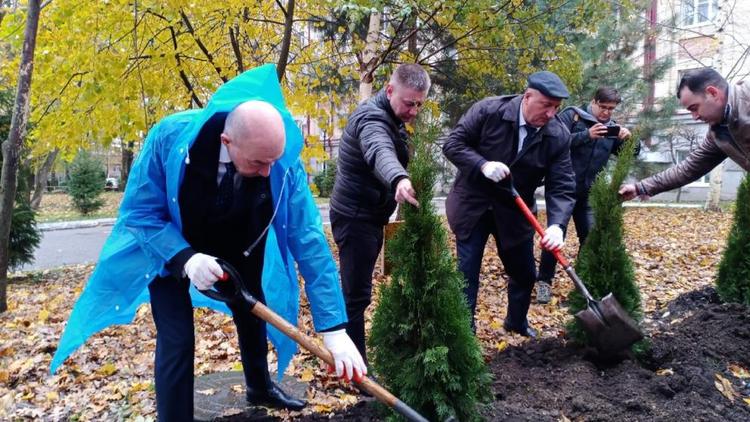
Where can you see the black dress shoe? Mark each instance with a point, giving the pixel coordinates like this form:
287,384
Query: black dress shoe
527,332
273,397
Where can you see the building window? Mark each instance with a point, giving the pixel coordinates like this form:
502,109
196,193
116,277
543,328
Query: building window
695,12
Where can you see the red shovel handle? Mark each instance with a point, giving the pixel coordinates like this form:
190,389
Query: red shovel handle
538,227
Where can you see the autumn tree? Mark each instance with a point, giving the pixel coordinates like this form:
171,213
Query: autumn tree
424,348
603,262
733,280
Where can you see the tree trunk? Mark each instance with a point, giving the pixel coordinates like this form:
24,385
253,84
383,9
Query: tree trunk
12,145
127,162
287,41
40,179
369,59
714,191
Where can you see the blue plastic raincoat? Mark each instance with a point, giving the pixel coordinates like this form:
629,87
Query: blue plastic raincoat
148,231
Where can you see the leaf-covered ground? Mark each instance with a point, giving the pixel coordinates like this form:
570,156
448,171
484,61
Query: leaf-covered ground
675,251
58,207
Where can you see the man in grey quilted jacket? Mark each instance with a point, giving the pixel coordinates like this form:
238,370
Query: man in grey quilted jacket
371,178
726,108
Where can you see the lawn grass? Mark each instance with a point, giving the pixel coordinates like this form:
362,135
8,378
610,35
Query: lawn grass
58,207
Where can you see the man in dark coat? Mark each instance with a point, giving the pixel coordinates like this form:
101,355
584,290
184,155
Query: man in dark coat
590,148
371,178
497,136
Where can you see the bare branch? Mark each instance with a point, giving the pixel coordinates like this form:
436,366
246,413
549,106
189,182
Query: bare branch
202,46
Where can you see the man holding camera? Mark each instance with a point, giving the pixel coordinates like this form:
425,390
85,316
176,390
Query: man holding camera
594,136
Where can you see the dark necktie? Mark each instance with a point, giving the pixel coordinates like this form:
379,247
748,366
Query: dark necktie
225,192
530,131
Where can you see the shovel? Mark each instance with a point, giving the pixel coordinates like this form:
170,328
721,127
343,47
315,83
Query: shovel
609,326
263,312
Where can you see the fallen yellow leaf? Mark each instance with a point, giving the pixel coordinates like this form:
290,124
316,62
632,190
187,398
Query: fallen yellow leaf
4,376
349,398
139,386
107,369
725,387
237,366
495,325
43,315
738,371
501,345
322,408
238,388
53,396
664,372
307,375
746,400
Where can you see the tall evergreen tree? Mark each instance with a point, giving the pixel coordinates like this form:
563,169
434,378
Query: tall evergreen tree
86,183
613,56
603,262
733,281
424,349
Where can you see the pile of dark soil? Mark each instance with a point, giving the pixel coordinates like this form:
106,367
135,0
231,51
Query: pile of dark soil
549,380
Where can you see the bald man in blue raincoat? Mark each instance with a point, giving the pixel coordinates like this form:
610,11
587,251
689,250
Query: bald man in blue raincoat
225,181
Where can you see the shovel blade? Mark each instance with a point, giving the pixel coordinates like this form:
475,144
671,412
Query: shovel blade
610,328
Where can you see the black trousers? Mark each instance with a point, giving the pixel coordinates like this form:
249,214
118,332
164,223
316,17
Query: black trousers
518,262
583,218
359,244
175,346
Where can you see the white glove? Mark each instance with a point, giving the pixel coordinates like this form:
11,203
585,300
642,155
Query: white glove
553,238
349,363
495,170
203,270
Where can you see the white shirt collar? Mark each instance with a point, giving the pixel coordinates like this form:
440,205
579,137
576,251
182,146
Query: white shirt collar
521,120
224,154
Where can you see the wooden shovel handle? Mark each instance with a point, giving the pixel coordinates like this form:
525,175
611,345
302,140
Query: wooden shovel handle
263,312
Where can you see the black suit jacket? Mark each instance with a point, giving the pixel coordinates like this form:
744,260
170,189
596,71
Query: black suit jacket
488,131
225,233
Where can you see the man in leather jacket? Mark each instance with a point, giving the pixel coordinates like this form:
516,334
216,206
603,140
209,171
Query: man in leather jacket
726,108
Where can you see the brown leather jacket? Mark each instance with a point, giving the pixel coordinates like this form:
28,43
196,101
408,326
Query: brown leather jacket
731,139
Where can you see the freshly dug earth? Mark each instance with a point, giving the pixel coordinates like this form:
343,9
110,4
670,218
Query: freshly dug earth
549,380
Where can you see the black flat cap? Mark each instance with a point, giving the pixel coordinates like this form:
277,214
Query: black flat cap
548,84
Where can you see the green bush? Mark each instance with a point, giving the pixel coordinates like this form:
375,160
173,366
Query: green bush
24,235
324,180
86,183
733,281
423,347
603,262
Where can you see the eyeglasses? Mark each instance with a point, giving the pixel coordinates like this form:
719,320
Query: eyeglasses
606,108
412,104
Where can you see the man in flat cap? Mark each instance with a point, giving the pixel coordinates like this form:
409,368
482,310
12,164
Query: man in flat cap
499,136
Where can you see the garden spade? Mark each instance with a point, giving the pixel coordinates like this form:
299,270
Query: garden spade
237,292
608,325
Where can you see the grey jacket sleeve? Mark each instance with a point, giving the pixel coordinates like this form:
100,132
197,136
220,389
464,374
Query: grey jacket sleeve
379,151
699,162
